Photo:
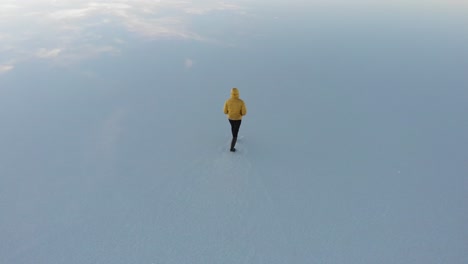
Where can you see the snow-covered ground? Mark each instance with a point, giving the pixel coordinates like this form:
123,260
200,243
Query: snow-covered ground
354,150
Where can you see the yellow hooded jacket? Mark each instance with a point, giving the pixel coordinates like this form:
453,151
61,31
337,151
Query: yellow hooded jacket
234,107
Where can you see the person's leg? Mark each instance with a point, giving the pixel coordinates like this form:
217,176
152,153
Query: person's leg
233,131
233,127
235,124
233,144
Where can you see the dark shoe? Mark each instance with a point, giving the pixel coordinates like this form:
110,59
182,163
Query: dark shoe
233,150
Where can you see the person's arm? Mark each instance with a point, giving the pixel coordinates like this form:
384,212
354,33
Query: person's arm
226,108
243,109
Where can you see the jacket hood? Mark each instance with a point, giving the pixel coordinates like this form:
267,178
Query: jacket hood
234,92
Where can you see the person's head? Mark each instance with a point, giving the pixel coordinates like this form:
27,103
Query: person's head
234,92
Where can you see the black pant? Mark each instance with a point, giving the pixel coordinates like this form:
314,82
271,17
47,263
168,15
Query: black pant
235,125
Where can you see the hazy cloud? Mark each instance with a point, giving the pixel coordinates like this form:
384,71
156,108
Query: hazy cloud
166,27
188,63
70,14
220,6
111,129
84,52
6,68
75,25
7,9
107,137
45,53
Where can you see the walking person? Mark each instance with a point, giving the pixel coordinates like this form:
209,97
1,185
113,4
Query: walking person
235,109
